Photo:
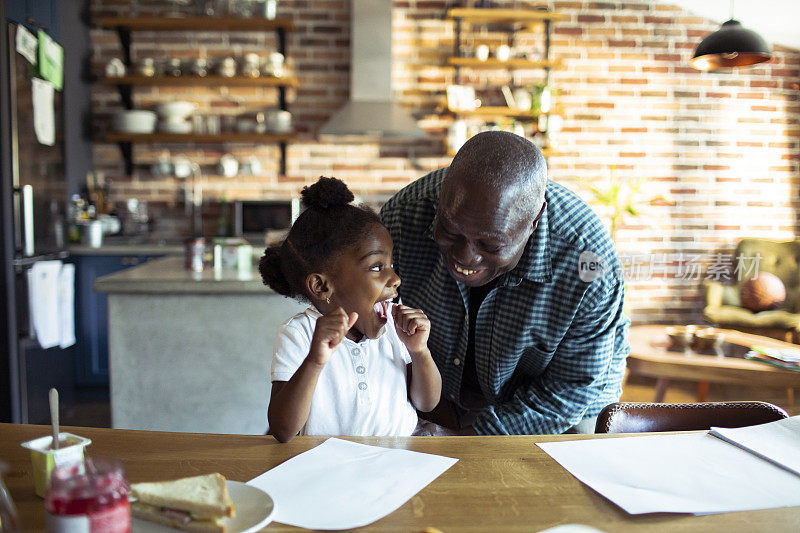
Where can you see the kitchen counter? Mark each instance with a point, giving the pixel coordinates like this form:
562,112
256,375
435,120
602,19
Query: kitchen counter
168,275
191,351
127,249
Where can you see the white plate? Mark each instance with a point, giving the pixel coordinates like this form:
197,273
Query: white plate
253,510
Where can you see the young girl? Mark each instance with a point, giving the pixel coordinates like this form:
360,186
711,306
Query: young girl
353,363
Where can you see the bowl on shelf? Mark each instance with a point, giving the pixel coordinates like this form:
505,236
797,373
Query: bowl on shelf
134,121
176,111
707,338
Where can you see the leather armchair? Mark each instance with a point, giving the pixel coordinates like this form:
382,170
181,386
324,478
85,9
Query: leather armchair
645,417
724,306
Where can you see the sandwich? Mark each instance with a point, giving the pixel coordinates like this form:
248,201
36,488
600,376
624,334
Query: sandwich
199,503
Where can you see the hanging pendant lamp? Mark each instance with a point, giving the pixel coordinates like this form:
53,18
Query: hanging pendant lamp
732,45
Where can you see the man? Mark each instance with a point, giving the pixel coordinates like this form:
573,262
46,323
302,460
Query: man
523,288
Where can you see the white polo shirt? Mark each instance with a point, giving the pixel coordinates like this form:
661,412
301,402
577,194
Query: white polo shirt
361,390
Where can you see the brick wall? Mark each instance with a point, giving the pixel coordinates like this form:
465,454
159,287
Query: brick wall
716,153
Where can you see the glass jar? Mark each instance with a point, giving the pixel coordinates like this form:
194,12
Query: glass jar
89,496
174,67
252,66
9,520
147,67
227,67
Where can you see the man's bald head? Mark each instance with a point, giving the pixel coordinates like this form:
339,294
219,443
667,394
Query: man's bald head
505,163
490,205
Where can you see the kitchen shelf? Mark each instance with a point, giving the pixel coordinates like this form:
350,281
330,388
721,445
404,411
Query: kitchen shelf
124,26
512,22
139,138
503,16
200,81
496,111
211,24
493,63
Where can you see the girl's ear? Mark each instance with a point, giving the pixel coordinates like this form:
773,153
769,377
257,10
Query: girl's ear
318,286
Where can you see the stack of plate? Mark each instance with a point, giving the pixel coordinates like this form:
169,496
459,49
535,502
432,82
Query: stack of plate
134,121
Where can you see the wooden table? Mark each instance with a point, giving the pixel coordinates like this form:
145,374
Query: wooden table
504,484
650,356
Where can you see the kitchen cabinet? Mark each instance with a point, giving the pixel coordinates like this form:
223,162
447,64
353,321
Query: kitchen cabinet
125,26
513,22
91,318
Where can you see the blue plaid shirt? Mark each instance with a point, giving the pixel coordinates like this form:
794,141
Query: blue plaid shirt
550,349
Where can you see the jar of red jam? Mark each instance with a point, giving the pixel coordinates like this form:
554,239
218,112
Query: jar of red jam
88,497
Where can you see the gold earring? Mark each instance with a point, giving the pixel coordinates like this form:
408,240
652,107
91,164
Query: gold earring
328,300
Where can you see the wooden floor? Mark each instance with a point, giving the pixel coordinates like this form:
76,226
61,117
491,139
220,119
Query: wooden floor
642,390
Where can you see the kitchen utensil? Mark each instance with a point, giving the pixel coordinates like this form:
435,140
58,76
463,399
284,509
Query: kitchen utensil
503,52
522,99
267,9
278,120
200,67
245,124
115,68
227,67
273,66
174,67
199,124
176,111
134,121
251,166
160,169
251,67
181,167
171,126
92,233
212,124
228,166
146,67
54,416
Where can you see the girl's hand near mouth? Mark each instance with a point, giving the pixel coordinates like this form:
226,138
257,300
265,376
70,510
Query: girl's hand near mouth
328,333
413,328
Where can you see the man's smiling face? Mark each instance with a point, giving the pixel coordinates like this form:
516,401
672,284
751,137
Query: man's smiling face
480,232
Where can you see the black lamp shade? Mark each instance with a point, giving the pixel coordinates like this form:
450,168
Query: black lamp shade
732,45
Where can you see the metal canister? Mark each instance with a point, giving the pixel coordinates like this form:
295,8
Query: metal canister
195,251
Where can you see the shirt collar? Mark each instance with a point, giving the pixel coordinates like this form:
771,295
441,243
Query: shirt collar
535,263
314,313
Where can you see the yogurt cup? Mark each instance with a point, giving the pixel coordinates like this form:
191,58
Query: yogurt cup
44,457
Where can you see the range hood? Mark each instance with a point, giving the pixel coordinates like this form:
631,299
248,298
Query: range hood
370,110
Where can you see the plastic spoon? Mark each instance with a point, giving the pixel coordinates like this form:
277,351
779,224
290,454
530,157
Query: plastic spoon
54,416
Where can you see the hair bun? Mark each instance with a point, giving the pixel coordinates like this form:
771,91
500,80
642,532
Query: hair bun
326,193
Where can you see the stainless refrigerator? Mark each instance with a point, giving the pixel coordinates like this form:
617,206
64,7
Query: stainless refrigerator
33,209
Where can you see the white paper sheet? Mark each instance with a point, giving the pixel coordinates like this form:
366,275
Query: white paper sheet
66,305
776,441
43,293
686,473
342,484
43,111
27,43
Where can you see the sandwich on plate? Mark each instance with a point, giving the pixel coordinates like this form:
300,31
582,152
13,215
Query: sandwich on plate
198,503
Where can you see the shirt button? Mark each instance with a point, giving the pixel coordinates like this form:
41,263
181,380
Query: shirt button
362,386
452,396
456,361
360,369
356,351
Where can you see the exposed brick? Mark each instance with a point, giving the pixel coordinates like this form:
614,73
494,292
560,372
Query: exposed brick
627,93
583,19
